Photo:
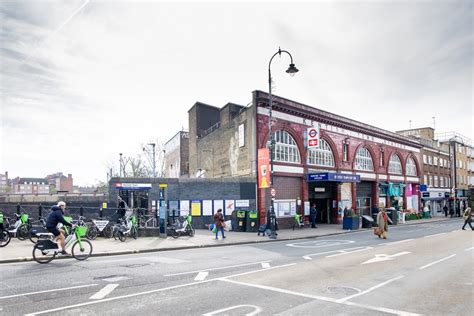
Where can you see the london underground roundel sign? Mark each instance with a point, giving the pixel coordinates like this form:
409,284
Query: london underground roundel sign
312,134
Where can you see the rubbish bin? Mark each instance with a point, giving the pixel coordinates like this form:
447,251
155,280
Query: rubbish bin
240,227
350,222
392,215
367,221
252,221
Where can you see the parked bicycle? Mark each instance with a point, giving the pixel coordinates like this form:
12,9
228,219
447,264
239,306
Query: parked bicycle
298,221
19,226
46,250
4,235
182,227
129,227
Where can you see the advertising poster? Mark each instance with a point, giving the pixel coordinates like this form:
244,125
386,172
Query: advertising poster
229,207
207,208
196,208
263,168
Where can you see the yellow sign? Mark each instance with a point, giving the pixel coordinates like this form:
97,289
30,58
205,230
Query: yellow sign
163,185
104,205
196,208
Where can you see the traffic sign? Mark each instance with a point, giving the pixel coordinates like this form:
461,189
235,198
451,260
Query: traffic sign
273,192
312,134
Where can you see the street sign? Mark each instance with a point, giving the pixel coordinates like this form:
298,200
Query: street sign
273,192
312,134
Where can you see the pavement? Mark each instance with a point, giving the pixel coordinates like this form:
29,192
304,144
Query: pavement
18,251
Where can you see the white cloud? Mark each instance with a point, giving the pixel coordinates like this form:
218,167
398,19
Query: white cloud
122,73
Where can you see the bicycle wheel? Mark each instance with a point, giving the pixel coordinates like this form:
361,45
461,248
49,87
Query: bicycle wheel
122,236
134,232
33,238
190,231
23,232
92,232
81,253
4,238
174,234
42,255
115,232
108,231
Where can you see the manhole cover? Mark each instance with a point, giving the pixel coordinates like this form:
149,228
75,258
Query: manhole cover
343,290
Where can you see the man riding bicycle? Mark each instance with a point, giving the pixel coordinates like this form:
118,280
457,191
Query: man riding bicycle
55,217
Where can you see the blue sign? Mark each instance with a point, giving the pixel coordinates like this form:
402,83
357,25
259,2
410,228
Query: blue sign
333,176
423,187
133,186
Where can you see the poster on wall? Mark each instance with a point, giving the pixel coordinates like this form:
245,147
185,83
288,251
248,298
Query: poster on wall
206,207
218,204
306,208
242,203
381,201
263,168
196,208
293,208
229,207
183,207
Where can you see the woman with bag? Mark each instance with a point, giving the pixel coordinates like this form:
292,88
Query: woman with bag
219,223
467,218
382,222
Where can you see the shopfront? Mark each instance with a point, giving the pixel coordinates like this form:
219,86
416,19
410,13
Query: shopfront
328,191
364,199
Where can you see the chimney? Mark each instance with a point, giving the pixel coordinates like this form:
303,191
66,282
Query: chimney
69,175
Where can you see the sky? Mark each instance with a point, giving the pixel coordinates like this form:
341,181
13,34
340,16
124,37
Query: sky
82,81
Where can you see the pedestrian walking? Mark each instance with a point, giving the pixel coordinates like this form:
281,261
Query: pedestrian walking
451,212
467,218
445,209
382,222
313,212
219,223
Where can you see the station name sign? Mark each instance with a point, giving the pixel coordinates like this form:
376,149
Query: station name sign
333,176
133,186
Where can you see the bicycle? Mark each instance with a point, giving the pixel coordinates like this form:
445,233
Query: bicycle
298,221
19,227
184,227
4,235
129,227
46,250
39,232
92,230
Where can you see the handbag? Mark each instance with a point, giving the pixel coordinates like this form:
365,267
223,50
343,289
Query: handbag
377,231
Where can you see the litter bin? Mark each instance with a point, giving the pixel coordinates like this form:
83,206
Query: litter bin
252,221
392,215
350,222
367,221
240,227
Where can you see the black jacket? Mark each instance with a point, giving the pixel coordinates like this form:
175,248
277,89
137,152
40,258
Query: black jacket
55,217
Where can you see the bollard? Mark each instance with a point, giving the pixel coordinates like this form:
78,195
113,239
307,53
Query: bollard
18,208
100,212
81,211
40,211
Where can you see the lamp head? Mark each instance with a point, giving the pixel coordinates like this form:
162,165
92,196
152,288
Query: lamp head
292,70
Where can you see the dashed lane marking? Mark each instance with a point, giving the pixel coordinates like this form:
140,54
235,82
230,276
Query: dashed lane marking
396,242
342,253
370,289
265,265
106,290
201,276
437,261
435,235
256,310
47,291
218,268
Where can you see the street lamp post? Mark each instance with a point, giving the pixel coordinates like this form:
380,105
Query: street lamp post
291,70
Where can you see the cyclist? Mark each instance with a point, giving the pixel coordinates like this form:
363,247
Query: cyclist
55,217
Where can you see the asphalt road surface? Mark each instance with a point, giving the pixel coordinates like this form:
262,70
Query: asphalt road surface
424,269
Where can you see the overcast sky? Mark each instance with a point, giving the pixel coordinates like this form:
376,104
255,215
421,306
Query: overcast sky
82,81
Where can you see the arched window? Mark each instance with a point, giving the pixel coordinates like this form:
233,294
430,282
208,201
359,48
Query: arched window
411,167
395,166
321,156
286,149
363,160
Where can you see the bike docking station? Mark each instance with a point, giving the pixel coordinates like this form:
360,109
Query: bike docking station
162,211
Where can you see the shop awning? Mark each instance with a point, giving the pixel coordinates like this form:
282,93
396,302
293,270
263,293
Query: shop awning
392,189
332,176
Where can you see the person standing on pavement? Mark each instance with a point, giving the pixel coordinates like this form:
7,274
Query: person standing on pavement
382,222
219,223
445,209
467,218
313,212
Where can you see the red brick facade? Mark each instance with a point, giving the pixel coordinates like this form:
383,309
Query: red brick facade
291,179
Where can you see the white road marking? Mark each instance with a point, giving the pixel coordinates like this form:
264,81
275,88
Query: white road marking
255,312
321,298
384,257
308,256
265,265
369,289
201,276
106,290
149,292
434,235
219,268
342,253
116,279
47,291
320,243
437,261
396,242
469,249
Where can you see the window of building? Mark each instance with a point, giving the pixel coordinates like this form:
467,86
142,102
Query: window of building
363,160
430,160
435,160
425,160
345,152
431,180
321,156
435,181
382,158
286,149
425,179
395,166
460,164
441,182
411,167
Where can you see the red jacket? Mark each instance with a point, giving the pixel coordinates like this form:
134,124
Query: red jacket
219,220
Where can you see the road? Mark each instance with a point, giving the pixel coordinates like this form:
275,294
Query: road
422,269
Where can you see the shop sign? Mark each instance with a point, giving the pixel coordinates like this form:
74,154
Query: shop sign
319,189
423,187
133,186
329,176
